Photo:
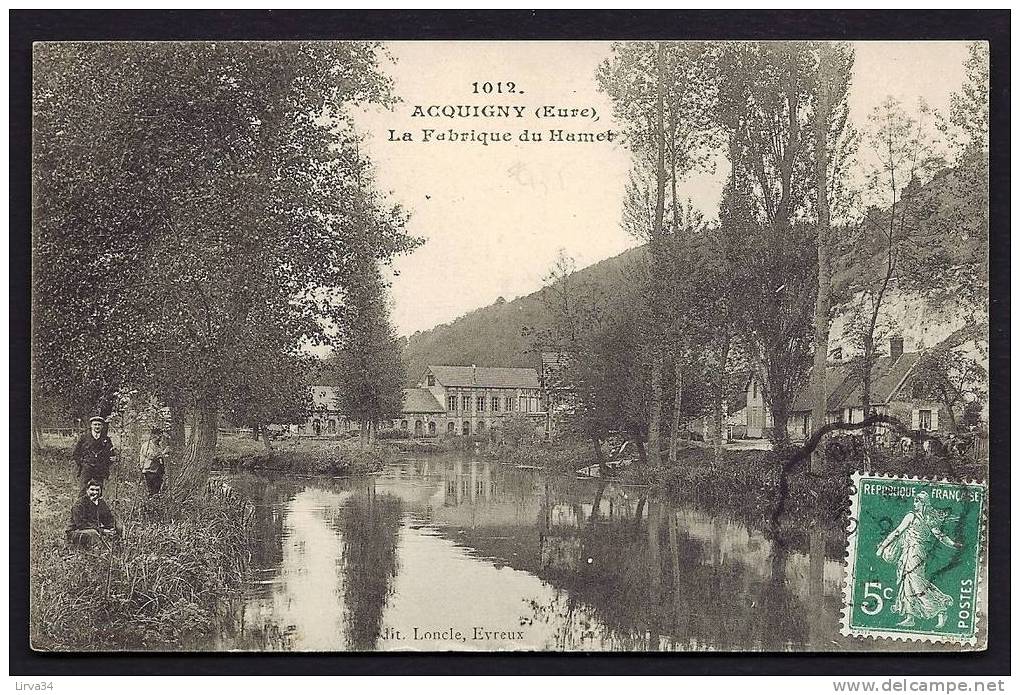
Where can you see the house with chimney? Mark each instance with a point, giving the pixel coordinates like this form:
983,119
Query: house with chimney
891,394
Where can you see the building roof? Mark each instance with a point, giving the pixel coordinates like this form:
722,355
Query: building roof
845,388
420,401
485,377
835,378
886,376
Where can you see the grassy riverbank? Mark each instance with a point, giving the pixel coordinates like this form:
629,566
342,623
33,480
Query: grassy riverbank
159,588
559,456
301,456
747,480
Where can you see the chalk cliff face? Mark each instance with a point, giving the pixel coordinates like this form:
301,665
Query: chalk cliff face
921,323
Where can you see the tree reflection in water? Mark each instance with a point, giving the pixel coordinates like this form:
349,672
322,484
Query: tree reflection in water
369,524
664,577
582,565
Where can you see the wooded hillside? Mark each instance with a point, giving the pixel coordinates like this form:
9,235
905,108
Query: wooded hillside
494,336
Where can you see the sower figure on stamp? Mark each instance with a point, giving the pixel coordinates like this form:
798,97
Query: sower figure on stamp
93,453
91,519
908,547
152,461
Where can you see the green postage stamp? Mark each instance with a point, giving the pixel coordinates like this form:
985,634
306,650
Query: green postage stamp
914,554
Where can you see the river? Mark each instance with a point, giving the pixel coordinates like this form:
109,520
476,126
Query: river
448,552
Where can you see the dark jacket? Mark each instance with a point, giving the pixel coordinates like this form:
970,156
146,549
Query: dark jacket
92,456
85,515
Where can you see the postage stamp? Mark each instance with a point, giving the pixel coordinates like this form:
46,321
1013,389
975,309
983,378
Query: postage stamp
914,553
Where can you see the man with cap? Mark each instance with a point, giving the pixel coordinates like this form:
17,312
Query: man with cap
93,453
152,461
91,519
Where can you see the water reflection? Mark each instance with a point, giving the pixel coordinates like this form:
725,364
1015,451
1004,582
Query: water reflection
368,526
452,553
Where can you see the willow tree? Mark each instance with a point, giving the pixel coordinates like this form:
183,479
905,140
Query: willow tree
188,197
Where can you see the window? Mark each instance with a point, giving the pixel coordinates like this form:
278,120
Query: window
450,427
754,389
403,424
430,380
481,404
465,403
924,419
466,427
495,404
451,403
481,426
525,404
509,403
432,428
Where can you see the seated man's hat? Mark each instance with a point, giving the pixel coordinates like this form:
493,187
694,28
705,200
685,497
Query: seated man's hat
97,419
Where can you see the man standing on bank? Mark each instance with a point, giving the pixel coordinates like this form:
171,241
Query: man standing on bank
152,461
93,453
91,519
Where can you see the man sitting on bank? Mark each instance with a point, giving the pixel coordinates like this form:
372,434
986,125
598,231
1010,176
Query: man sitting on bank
91,518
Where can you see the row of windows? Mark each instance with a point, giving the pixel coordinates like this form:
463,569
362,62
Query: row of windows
495,403
451,428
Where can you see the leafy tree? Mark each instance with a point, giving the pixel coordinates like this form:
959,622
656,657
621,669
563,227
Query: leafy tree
662,93
968,108
952,377
369,370
834,143
517,429
190,198
766,96
271,390
578,311
893,227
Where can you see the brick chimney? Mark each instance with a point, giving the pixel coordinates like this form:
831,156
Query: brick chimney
474,378
895,347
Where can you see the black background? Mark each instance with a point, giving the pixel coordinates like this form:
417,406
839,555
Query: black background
38,25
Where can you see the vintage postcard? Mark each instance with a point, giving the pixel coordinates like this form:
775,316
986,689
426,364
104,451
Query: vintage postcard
351,346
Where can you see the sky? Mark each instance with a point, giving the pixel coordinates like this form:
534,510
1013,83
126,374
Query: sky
495,217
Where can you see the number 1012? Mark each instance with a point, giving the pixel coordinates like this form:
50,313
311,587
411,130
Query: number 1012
495,88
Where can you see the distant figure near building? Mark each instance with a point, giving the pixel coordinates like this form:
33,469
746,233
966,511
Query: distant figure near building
93,453
152,461
91,518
